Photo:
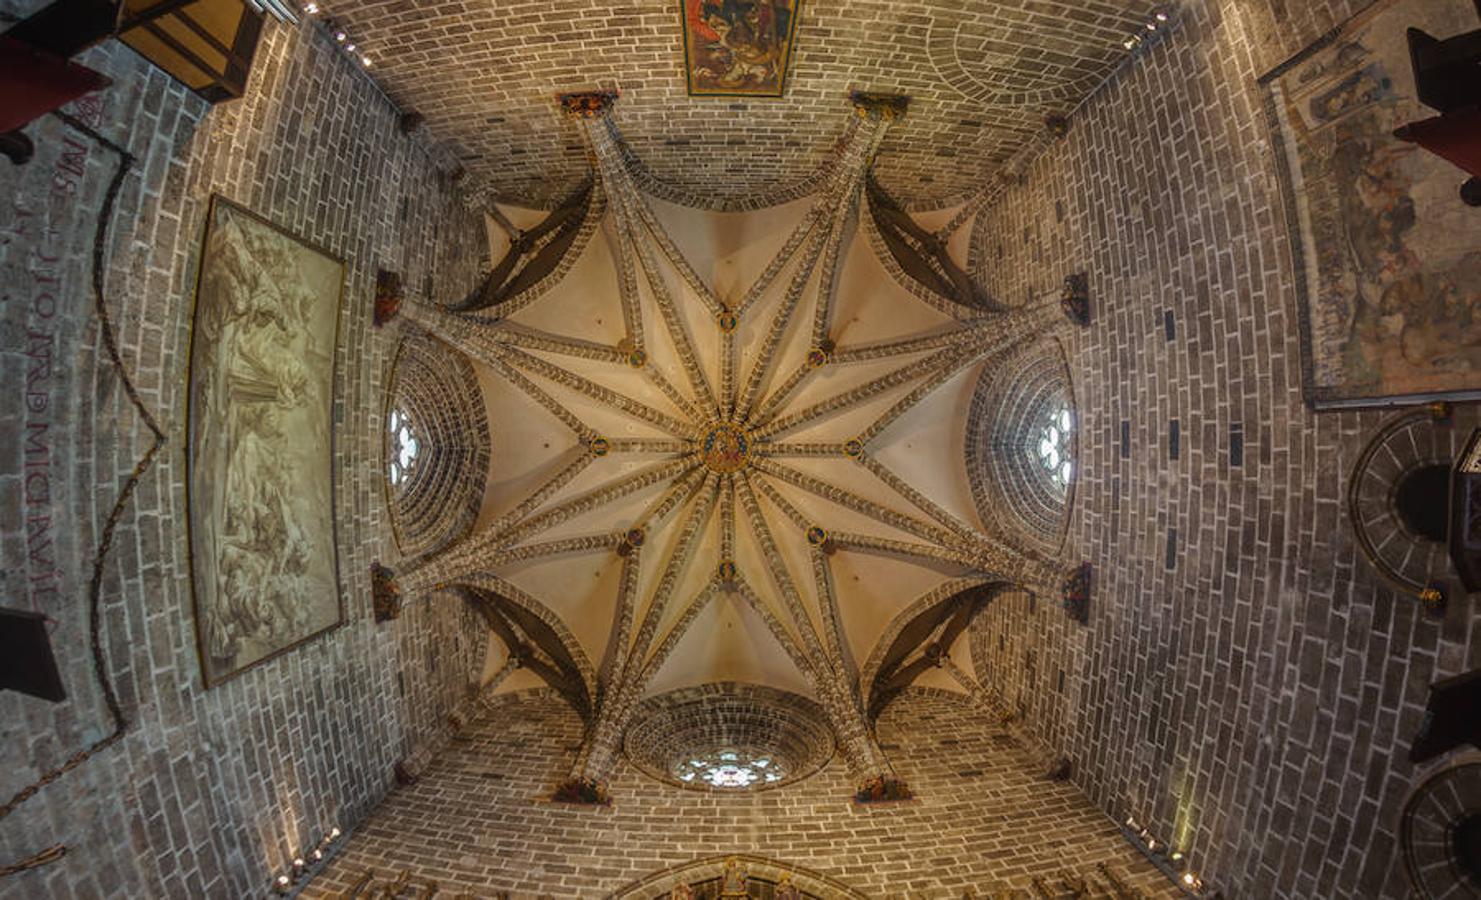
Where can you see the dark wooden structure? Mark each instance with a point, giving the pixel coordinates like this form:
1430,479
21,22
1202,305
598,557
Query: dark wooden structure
26,660
207,45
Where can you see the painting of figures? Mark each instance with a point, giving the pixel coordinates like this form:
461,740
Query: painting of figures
259,454
1388,265
738,47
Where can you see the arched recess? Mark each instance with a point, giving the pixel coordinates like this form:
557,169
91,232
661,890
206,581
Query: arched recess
539,257
534,643
919,261
756,870
671,733
436,447
1022,447
917,637
531,610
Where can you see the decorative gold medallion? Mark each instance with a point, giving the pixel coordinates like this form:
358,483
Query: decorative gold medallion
600,446
726,449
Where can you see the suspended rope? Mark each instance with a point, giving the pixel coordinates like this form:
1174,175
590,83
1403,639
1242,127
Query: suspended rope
105,542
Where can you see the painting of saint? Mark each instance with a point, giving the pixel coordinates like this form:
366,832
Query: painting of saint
738,47
1388,265
259,454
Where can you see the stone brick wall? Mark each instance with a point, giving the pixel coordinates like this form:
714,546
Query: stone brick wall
478,821
210,793
982,77
1245,686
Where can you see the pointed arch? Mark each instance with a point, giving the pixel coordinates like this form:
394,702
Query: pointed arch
510,593
712,868
911,628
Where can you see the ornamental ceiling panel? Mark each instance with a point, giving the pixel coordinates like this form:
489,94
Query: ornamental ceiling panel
982,76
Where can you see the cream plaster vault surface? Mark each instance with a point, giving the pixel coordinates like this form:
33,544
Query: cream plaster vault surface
478,822
727,642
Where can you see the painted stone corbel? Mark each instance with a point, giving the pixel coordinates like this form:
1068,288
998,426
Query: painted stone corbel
1075,299
385,596
871,104
883,789
582,792
388,296
587,104
1077,593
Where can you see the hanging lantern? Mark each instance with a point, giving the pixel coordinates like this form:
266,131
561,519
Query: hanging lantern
206,45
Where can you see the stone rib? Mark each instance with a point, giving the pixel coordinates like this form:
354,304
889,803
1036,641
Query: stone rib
598,393
849,500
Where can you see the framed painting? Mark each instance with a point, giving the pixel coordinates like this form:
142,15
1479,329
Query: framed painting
260,442
738,48
1387,261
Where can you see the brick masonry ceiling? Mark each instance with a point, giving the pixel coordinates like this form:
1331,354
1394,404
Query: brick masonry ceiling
982,76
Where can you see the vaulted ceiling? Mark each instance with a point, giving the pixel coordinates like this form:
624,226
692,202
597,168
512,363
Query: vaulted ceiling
728,447
982,77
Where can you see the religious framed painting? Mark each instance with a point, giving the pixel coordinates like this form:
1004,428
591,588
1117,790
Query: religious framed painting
260,442
738,48
1387,262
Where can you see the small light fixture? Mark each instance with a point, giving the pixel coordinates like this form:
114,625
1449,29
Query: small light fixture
340,36
1162,17
365,61
334,834
1151,26
350,47
311,8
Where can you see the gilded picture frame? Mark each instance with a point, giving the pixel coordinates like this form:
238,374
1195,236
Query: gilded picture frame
738,48
1387,273
260,442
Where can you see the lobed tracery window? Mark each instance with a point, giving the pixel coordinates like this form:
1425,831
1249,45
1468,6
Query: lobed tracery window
404,446
1054,446
729,769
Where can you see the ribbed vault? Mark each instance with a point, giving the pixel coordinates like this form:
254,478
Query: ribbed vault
729,450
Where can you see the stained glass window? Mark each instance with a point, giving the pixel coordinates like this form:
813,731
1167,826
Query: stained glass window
404,446
1054,446
734,769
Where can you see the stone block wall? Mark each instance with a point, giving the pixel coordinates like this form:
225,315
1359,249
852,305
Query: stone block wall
1245,686
210,793
479,822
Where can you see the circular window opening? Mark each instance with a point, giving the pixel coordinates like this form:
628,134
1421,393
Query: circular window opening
1465,843
1053,447
404,446
731,768
1420,498
729,738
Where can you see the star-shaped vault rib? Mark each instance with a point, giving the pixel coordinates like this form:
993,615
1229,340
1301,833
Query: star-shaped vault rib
724,452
